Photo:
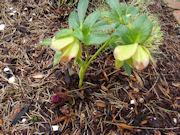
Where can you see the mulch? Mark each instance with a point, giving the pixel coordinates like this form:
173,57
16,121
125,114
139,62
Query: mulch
110,102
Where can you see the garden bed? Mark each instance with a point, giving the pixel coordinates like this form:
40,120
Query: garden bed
110,102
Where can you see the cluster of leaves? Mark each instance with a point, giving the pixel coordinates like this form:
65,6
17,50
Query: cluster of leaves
121,27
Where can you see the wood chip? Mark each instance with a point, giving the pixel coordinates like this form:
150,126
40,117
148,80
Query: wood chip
59,120
101,104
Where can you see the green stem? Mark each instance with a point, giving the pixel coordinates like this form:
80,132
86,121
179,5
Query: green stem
84,68
87,54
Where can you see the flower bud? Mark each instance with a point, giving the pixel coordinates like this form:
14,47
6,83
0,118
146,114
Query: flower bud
140,58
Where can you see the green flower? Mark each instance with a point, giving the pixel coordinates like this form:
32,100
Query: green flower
69,46
135,56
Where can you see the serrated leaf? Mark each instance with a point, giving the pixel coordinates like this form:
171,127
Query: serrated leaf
78,34
91,19
63,33
141,29
82,8
131,11
125,34
96,38
46,42
127,68
115,6
73,20
129,14
57,57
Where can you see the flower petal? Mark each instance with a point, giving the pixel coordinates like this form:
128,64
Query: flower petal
70,52
140,59
58,44
125,52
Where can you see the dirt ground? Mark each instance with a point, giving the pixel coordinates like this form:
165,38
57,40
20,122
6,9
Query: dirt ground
110,103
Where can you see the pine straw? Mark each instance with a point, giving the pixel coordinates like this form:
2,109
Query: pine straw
103,105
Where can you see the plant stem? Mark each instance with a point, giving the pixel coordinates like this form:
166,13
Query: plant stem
84,68
87,54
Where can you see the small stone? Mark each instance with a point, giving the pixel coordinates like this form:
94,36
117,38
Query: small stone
6,69
13,13
30,20
25,9
132,102
175,120
24,120
141,100
11,79
175,4
2,26
55,127
176,14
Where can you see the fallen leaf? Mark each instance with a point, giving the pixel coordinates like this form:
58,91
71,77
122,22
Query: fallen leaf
139,80
20,114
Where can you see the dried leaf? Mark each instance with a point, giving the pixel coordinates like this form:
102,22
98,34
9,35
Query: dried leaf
16,109
20,114
139,80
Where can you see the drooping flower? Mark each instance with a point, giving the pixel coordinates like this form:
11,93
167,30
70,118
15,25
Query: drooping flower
141,58
69,46
124,53
135,56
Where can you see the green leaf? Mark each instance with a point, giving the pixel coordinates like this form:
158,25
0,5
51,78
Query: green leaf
118,63
91,19
132,11
46,42
82,8
141,28
80,61
96,38
73,20
57,57
127,68
123,7
115,6
129,14
63,32
125,34
78,34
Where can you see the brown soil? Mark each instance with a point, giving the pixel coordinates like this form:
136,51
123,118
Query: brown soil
104,105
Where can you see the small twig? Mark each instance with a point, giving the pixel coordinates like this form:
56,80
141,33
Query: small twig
147,128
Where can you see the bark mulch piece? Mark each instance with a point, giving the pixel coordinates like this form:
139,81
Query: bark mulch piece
147,102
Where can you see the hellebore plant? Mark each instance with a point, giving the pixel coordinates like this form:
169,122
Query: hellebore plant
121,27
